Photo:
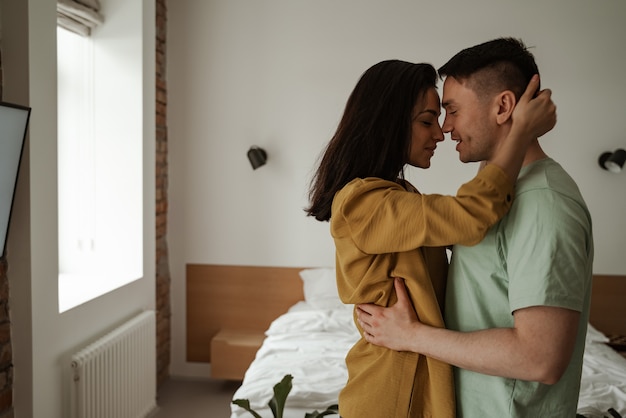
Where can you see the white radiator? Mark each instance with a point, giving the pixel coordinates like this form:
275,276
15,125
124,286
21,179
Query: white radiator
115,377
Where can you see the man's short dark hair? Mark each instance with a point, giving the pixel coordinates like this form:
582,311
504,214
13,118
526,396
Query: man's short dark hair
493,66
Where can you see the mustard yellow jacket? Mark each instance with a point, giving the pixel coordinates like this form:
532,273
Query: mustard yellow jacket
384,230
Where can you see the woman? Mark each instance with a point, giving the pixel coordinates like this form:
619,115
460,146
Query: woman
384,228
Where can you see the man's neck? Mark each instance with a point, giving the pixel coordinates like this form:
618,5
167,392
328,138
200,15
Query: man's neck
534,153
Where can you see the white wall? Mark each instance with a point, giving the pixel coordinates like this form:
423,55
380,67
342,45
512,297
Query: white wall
277,74
42,338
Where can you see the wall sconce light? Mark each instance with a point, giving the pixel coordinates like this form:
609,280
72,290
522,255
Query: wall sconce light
613,161
257,157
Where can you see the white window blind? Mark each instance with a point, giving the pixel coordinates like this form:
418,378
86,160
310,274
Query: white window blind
79,16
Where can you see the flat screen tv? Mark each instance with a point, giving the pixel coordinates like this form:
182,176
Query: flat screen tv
13,125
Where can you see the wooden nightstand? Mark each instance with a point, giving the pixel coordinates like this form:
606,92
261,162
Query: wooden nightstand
232,351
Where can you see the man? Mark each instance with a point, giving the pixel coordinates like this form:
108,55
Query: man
517,304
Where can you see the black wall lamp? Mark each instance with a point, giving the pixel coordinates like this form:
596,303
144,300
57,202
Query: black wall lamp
613,161
257,157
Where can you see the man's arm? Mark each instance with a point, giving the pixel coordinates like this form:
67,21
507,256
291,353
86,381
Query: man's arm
537,348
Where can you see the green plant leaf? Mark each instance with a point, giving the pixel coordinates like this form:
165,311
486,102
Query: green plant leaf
245,404
277,403
281,390
331,410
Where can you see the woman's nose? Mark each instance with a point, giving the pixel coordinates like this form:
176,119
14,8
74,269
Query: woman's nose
438,134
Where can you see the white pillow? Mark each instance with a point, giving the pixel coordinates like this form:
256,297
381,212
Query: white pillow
593,335
320,287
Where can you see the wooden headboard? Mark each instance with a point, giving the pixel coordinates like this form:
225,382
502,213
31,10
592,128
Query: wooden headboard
235,297
250,297
608,304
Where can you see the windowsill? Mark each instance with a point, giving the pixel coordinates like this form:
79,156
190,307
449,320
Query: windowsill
76,289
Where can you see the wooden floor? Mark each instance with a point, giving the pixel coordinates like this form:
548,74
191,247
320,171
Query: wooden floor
186,398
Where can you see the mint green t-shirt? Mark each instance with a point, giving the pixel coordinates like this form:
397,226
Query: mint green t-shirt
540,253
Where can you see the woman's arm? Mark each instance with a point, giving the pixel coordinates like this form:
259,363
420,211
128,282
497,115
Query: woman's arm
381,217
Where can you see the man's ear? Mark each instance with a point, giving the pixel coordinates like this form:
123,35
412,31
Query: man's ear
506,102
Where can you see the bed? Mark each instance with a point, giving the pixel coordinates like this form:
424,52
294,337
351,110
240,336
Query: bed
308,343
311,336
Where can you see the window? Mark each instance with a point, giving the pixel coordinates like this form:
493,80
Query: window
100,154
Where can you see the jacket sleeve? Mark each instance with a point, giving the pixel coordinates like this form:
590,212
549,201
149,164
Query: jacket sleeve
382,217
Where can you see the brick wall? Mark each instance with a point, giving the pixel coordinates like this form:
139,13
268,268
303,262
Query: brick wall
163,306
6,353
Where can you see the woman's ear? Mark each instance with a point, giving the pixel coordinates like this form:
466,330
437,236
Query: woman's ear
506,102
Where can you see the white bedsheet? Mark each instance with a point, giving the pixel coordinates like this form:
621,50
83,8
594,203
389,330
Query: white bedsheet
311,344
603,384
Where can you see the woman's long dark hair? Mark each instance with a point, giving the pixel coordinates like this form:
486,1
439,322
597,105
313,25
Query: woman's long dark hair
373,138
